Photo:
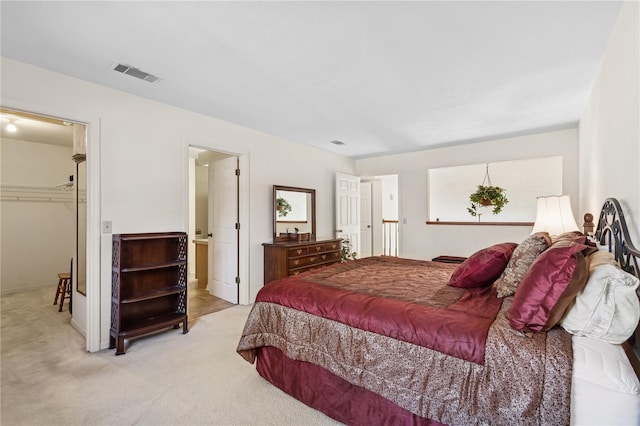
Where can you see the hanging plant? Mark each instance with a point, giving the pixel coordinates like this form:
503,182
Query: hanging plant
282,206
487,196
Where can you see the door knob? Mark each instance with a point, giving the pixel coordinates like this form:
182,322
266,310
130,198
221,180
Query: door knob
338,230
210,235
368,226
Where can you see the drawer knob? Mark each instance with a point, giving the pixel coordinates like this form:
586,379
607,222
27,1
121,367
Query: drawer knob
295,262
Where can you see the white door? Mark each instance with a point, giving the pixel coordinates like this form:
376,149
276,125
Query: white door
348,209
223,239
366,230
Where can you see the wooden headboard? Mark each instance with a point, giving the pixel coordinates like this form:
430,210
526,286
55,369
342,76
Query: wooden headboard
612,231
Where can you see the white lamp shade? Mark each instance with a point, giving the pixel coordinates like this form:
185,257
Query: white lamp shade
554,215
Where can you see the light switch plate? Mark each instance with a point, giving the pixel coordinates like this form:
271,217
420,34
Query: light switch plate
106,226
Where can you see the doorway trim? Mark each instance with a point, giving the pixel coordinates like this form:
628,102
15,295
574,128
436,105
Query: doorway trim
93,313
243,209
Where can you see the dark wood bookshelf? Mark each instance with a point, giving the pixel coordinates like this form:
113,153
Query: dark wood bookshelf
149,285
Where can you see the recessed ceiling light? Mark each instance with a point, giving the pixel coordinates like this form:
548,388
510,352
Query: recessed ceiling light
11,127
338,142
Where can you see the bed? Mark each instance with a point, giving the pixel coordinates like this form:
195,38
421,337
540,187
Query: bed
386,340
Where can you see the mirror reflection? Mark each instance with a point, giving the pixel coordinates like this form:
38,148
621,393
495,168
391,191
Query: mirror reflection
294,213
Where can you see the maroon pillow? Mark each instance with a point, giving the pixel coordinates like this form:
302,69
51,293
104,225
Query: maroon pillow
482,267
550,286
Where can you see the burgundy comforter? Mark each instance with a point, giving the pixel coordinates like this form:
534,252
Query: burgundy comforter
393,327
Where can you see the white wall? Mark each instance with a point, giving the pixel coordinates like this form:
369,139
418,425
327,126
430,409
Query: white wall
37,236
609,132
421,241
144,161
389,197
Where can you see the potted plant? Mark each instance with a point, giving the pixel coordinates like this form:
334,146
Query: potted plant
282,206
347,253
487,196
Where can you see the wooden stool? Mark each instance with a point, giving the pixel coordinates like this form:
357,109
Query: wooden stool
64,288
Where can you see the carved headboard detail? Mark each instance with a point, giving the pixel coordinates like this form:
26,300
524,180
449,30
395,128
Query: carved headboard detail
612,231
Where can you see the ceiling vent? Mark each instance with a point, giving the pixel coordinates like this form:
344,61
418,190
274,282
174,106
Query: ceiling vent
338,142
135,72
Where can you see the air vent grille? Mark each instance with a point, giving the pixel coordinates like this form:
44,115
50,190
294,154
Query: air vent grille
338,142
136,72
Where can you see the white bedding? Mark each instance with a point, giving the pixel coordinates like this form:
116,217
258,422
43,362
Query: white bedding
605,389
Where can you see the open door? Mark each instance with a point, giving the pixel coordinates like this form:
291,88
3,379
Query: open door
223,235
348,209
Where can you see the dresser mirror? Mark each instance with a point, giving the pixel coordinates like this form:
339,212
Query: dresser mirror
294,214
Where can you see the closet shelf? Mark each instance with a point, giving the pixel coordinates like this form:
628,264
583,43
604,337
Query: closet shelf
39,193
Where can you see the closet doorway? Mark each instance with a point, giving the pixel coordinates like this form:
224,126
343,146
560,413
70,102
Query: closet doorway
44,208
213,231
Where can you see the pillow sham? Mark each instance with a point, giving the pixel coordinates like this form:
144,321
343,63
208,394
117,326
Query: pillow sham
523,256
603,364
568,236
607,308
601,258
482,267
550,287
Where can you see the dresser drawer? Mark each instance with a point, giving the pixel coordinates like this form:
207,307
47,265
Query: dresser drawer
298,251
320,248
332,246
296,271
298,262
313,259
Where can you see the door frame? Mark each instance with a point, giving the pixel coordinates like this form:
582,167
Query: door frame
95,330
243,208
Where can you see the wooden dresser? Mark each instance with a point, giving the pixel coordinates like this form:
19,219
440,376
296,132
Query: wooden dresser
283,259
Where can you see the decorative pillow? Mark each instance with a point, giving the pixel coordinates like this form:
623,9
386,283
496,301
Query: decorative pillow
608,308
482,267
568,236
601,258
521,259
550,287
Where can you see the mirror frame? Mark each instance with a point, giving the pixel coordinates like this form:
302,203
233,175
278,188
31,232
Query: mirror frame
311,192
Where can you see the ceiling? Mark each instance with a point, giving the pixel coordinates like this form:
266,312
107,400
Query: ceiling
382,77
38,129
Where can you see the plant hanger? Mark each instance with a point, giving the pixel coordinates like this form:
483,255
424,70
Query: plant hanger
487,178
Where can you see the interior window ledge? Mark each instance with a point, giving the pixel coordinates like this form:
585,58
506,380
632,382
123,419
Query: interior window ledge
441,222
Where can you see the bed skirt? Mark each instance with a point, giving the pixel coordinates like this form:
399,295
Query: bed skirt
330,394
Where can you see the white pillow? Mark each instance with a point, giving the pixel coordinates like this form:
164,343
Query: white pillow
607,308
604,364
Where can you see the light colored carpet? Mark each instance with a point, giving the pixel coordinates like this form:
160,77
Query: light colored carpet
164,379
